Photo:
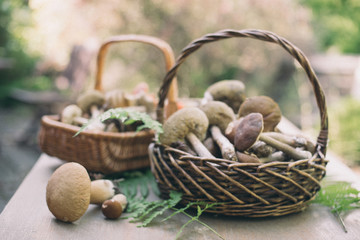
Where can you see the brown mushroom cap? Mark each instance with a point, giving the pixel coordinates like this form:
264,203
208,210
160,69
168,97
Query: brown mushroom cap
111,209
182,122
218,113
89,99
266,106
230,130
231,92
248,131
68,192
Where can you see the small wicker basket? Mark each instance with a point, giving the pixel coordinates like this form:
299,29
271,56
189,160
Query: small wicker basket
105,152
246,189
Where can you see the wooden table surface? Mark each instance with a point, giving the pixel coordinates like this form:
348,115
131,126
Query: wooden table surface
26,216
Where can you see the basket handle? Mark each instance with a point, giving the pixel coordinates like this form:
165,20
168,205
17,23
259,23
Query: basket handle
259,35
166,50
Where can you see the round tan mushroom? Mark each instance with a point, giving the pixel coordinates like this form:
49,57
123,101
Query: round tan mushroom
68,192
121,198
231,92
115,98
71,114
91,101
220,115
101,190
269,109
188,123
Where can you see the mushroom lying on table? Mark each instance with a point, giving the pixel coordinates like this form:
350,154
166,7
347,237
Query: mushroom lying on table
265,105
231,92
220,115
250,130
190,124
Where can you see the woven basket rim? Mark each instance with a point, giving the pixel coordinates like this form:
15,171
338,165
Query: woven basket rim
53,120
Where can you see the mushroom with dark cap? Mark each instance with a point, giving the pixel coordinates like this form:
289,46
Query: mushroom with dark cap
220,115
249,131
190,124
231,92
265,105
91,101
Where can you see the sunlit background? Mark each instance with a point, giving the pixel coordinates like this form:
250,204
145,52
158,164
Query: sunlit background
50,46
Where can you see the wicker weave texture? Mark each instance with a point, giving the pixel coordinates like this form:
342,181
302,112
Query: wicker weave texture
104,151
244,189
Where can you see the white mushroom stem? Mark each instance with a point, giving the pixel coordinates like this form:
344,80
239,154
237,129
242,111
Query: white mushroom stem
294,141
287,149
274,157
227,148
198,146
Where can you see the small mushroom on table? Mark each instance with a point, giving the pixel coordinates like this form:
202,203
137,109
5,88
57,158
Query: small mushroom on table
188,124
220,115
101,190
250,130
231,92
265,105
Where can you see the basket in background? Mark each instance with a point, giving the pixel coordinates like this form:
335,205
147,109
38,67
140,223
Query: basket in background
105,152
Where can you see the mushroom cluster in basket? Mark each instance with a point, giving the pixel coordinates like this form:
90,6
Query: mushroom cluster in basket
229,125
92,103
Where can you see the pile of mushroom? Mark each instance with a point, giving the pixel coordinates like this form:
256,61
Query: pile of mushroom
70,191
92,103
235,127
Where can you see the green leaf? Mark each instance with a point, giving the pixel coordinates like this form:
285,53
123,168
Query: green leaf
127,116
340,197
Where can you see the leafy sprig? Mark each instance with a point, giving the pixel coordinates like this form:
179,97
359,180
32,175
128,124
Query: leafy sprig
340,197
136,186
126,116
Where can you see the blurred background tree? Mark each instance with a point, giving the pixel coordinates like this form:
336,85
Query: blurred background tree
337,24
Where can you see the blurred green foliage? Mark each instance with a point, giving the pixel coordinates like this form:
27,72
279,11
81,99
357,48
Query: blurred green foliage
19,63
344,130
337,23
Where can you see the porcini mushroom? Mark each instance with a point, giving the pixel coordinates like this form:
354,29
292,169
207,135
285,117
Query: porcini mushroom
231,129
188,123
220,115
114,99
68,192
91,101
231,92
71,114
249,131
114,207
111,209
265,105
101,190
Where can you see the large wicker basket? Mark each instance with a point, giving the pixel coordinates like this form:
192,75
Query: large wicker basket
105,152
245,189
